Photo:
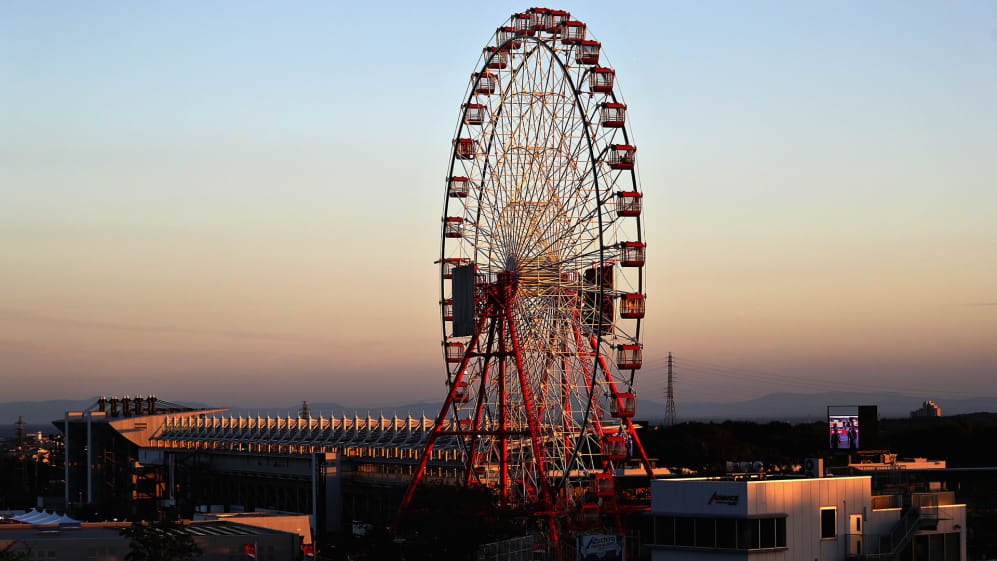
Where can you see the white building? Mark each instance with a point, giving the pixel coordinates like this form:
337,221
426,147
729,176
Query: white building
928,409
824,519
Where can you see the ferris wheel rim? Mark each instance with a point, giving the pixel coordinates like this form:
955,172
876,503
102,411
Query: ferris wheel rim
600,205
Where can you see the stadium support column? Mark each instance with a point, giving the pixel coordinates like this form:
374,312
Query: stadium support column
314,478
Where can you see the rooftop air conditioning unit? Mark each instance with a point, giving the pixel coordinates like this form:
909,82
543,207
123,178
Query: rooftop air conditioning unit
814,467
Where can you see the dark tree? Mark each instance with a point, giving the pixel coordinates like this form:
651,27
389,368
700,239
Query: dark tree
166,540
9,554
446,522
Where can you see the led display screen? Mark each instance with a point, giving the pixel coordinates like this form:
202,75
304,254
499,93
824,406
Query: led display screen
843,428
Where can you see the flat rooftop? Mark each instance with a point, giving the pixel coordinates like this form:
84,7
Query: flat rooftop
111,530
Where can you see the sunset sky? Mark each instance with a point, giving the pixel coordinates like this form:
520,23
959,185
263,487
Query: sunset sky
238,203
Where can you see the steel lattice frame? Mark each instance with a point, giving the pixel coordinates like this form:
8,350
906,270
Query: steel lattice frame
543,200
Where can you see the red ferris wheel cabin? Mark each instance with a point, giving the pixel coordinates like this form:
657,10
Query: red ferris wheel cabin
621,156
632,254
623,407
614,448
612,115
632,306
588,52
557,20
446,309
539,19
604,485
628,203
475,113
453,227
458,186
484,82
522,23
465,148
572,32
462,395
547,20
454,352
601,79
499,59
506,38
628,356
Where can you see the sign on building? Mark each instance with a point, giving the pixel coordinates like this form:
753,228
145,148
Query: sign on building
601,547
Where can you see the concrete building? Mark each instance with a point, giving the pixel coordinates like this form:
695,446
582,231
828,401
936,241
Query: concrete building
102,446
826,519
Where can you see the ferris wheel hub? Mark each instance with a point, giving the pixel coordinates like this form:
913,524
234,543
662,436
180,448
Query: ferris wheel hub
508,285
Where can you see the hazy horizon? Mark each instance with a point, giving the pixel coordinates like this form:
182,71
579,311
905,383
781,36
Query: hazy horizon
240,202
778,406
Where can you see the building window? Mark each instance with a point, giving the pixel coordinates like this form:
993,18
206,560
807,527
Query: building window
766,532
828,522
706,532
943,547
726,533
720,533
747,534
952,546
664,529
685,531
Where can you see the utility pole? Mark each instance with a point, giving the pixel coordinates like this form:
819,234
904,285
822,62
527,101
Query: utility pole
670,403
20,433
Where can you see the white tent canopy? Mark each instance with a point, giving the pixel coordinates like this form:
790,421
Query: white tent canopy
34,516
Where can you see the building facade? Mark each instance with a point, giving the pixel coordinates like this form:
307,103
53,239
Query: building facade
826,519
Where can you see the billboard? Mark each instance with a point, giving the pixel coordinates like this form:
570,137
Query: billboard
462,290
843,427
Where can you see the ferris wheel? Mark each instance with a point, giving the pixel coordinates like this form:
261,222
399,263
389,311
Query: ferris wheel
541,271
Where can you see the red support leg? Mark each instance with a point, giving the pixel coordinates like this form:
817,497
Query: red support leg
530,419
477,408
503,443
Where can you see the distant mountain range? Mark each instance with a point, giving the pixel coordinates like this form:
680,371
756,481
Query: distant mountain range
790,407
797,407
